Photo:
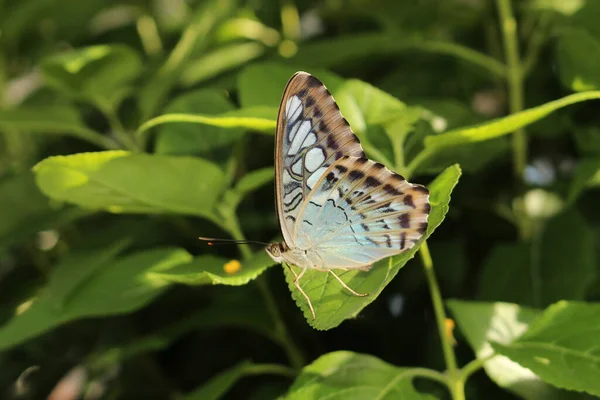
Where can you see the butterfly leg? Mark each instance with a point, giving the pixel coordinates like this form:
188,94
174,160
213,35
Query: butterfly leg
292,271
346,286
297,284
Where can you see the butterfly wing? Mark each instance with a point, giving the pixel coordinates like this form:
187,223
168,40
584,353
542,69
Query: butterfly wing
311,135
360,212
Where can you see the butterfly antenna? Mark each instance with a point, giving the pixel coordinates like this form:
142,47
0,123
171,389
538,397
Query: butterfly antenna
216,241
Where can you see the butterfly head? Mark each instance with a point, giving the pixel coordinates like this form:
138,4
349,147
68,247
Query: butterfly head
275,251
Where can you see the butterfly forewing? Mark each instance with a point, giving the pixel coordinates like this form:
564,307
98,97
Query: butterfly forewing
360,212
311,135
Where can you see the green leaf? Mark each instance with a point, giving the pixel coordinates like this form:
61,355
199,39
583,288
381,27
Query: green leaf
535,274
364,104
260,119
262,84
51,119
217,386
505,125
209,269
332,303
484,323
583,16
587,139
586,175
578,55
121,182
559,6
111,287
561,346
342,50
253,180
76,269
219,61
240,307
366,107
449,114
472,157
194,139
195,39
100,74
347,375
23,209
247,184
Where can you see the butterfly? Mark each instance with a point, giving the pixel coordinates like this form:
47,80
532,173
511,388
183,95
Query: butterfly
337,209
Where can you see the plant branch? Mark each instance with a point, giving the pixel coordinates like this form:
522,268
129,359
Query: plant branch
455,384
515,81
281,333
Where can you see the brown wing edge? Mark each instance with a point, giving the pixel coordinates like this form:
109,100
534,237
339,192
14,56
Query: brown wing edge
278,163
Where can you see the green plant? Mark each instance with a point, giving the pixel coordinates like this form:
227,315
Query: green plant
115,157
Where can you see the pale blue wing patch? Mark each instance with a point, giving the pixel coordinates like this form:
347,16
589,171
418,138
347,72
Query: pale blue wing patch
361,212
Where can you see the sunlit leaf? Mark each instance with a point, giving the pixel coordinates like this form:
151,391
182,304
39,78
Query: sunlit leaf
561,346
505,125
484,323
196,139
122,182
260,119
212,270
347,375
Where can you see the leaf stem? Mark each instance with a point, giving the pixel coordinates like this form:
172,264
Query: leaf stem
117,127
454,381
281,333
273,369
536,42
474,366
515,81
430,374
462,52
419,159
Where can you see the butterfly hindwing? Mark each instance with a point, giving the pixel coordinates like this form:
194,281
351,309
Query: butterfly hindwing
360,212
311,135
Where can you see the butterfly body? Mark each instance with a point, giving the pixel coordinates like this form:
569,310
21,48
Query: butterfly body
337,209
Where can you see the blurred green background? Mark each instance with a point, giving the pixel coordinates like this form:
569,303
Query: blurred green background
105,288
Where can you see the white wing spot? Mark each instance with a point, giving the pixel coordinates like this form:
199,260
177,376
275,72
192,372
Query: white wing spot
293,131
297,167
300,138
314,158
293,108
310,182
287,178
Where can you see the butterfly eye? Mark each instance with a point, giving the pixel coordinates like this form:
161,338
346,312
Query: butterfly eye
274,250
